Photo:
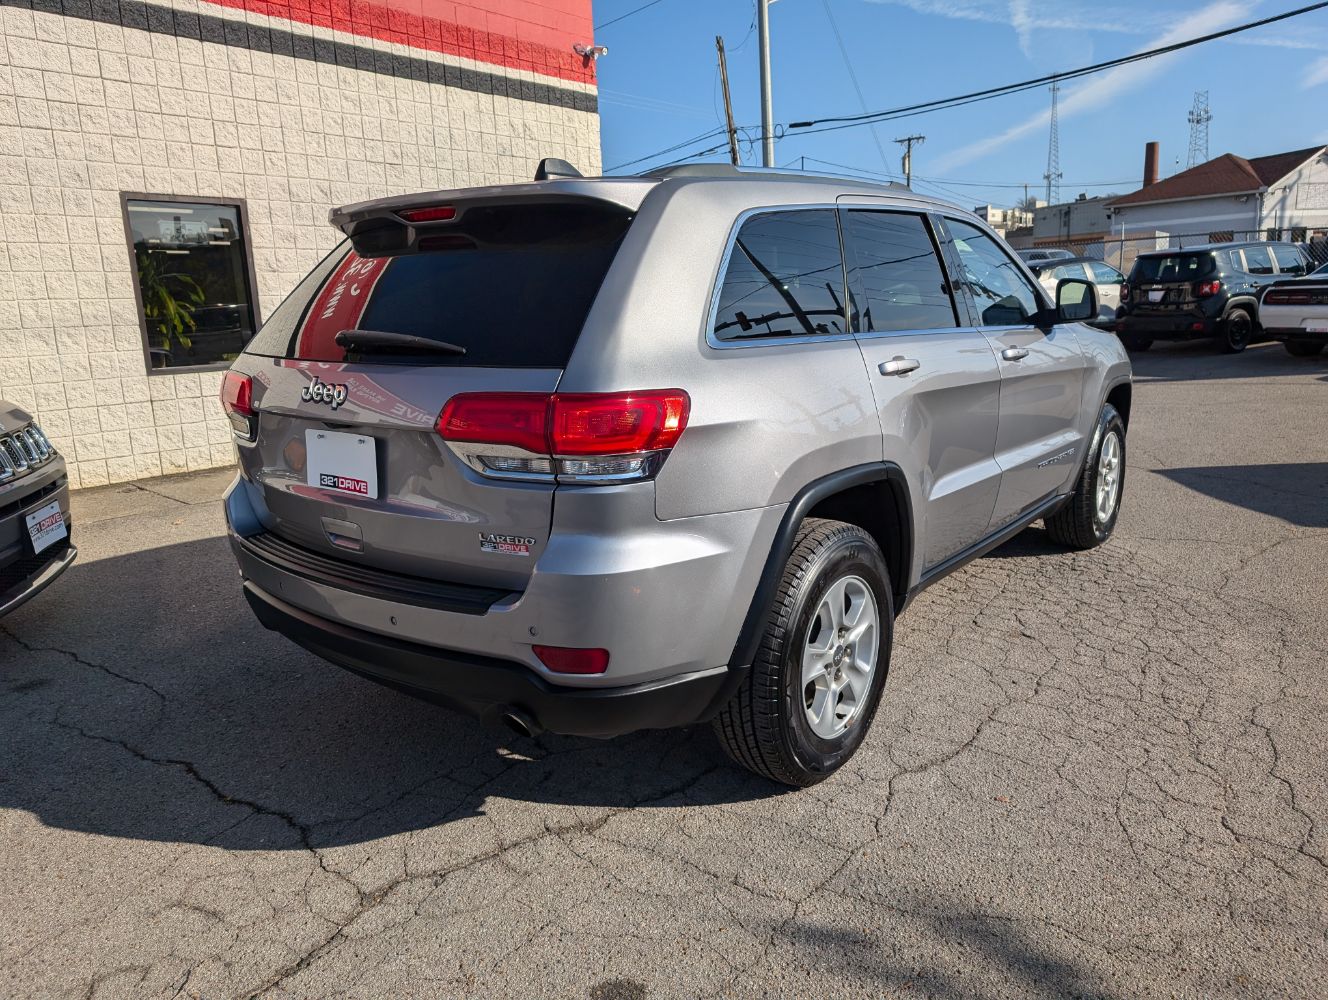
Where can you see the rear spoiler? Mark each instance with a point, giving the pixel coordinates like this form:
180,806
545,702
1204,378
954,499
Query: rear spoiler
395,225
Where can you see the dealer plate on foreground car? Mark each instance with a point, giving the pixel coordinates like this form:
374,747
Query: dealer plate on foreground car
1316,327
46,526
346,463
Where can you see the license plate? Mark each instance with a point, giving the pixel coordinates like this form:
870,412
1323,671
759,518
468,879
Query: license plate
344,463
1316,327
1156,294
46,526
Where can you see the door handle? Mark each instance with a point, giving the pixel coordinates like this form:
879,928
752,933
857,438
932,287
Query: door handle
1015,353
899,365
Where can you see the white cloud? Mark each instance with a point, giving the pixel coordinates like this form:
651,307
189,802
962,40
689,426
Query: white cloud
1021,19
1318,73
1105,87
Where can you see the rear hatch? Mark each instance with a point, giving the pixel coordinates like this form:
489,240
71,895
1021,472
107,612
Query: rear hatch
350,374
1172,283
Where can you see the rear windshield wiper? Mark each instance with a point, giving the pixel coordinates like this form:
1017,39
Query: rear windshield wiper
387,342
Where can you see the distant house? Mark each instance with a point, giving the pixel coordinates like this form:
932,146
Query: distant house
1283,196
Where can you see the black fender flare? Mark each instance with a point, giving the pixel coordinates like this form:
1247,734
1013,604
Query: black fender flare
749,637
1246,302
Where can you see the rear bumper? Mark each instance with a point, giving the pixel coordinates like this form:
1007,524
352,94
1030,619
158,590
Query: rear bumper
1295,333
487,687
1186,326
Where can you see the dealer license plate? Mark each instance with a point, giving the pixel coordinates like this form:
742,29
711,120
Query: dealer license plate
344,463
46,526
1316,327
1156,294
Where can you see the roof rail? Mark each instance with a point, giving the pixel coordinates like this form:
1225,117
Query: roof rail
784,173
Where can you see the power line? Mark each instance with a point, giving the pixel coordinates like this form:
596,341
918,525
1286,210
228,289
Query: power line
853,76
853,121
624,17
843,121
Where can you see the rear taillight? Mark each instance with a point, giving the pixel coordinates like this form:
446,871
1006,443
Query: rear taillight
1125,293
605,437
1280,298
1207,289
566,660
237,399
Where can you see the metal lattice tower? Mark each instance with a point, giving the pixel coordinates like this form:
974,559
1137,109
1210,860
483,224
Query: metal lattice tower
1053,174
1199,117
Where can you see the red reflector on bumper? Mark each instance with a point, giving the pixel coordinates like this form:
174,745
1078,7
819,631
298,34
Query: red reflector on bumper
567,660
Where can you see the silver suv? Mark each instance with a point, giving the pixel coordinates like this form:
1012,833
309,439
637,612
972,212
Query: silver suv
591,455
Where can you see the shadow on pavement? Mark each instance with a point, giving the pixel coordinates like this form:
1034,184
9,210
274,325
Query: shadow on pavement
1199,360
1294,492
139,698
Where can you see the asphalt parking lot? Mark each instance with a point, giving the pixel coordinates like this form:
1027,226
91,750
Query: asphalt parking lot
1093,775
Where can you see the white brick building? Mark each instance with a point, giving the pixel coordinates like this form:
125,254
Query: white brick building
215,136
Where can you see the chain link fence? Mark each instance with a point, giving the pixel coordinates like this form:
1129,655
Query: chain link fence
1120,251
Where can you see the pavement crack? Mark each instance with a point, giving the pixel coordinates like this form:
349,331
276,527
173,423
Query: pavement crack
81,661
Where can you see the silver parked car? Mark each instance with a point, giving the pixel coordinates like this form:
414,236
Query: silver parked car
35,546
597,455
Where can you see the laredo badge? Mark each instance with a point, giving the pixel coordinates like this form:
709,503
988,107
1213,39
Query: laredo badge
511,545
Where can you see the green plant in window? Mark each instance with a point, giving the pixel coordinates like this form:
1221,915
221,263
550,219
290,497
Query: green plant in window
168,298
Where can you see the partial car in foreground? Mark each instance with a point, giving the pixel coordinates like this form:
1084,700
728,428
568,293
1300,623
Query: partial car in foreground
1295,311
35,545
593,455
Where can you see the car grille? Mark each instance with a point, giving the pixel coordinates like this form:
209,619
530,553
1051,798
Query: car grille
23,450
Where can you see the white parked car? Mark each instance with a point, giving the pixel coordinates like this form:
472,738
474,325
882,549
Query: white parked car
1295,311
1034,256
1107,279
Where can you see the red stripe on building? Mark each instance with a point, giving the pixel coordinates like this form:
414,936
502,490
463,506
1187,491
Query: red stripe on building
532,35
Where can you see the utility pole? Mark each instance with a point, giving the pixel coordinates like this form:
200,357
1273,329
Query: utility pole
908,142
728,103
767,110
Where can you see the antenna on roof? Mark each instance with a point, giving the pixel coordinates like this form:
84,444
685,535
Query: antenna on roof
551,166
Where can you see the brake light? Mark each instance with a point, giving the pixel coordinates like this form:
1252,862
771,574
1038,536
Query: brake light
1125,293
237,399
434,213
1279,298
613,424
567,660
610,436
1207,289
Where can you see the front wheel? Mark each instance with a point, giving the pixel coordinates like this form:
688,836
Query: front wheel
1304,348
1237,330
807,701
1089,516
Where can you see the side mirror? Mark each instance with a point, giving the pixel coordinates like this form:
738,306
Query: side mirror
1076,301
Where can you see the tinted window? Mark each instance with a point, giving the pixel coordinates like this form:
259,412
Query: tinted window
1002,295
784,278
1075,270
510,284
1289,260
1175,267
193,281
1258,261
896,270
1105,274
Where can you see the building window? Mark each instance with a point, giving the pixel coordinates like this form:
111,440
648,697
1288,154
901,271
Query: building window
193,280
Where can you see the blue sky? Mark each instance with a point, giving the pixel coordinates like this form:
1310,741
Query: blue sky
1268,88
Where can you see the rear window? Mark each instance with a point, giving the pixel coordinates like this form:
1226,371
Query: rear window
1177,267
507,286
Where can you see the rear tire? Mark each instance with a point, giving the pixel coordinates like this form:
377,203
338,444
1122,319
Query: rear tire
1089,516
1304,348
803,710
1135,343
1237,331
